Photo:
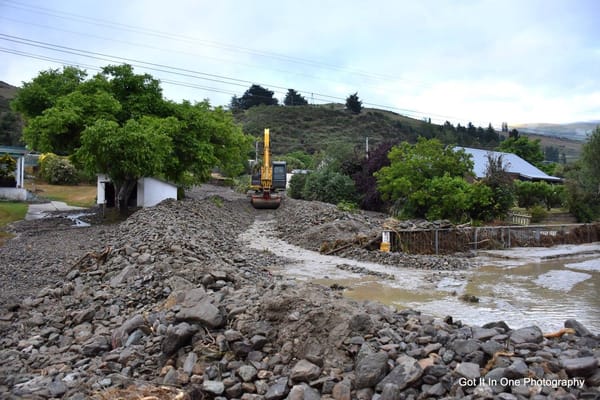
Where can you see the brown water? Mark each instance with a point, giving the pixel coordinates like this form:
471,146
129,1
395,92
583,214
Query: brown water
522,287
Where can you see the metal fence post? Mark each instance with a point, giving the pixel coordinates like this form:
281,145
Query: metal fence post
436,242
475,241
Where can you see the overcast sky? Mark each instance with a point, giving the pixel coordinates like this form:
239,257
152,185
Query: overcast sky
481,61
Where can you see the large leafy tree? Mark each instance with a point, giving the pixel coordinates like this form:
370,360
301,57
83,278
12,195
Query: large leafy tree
529,150
583,181
293,98
44,90
128,152
118,123
417,172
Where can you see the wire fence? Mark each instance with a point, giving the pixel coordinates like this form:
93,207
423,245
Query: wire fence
457,240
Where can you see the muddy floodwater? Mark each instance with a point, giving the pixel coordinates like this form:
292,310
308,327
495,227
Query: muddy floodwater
523,287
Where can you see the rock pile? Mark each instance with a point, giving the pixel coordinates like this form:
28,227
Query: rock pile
184,309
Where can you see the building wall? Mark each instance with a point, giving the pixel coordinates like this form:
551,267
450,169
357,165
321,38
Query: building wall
13,194
151,191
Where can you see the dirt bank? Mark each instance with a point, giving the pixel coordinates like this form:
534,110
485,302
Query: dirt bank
181,301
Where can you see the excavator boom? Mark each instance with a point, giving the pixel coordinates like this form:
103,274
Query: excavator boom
266,196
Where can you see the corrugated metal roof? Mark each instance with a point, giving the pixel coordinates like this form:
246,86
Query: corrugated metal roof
514,164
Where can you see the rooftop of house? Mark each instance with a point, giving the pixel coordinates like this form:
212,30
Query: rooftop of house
514,165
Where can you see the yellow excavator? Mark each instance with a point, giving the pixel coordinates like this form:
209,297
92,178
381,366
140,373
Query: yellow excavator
269,181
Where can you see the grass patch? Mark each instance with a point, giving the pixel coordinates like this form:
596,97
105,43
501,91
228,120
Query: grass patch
73,195
9,212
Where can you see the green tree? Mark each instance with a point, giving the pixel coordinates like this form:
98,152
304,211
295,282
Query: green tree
254,96
58,128
583,181
44,90
353,104
407,180
127,153
118,123
293,98
329,186
590,159
529,150
501,184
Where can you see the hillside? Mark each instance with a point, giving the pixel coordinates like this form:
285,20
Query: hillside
574,131
310,128
10,123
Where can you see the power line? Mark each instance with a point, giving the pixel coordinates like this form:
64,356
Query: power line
189,39
201,75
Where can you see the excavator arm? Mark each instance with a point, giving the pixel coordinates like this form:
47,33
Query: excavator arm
266,196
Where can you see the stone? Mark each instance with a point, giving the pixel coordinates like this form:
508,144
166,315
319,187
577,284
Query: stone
119,335
463,347
190,361
234,391
580,330
57,388
205,313
361,323
277,390
86,315
518,369
95,346
584,366
304,371
468,370
406,371
247,372
214,387
176,337
342,390
371,369
491,347
390,391
483,333
530,334
232,335
123,276
258,341
145,258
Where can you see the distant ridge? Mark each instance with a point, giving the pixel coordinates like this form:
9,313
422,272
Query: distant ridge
574,131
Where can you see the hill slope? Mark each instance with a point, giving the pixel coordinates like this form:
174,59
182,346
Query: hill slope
10,123
311,128
574,131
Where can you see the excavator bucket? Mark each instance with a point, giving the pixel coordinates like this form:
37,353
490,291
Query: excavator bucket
262,202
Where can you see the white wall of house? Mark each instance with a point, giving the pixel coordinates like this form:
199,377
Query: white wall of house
13,194
151,191
100,193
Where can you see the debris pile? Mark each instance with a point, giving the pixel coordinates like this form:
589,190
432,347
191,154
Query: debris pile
179,309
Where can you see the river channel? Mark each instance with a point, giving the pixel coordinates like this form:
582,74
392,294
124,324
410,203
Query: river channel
522,287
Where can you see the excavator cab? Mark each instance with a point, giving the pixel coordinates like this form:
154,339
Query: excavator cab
269,181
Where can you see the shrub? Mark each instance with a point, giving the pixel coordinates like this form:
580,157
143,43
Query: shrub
57,170
538,213
297,183
8,165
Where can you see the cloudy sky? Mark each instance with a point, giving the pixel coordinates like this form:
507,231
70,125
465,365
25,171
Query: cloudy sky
482,61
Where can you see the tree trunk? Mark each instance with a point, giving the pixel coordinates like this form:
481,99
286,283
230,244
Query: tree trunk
124,192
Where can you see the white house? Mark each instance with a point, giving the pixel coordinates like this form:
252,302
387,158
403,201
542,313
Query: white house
149,192
18,192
